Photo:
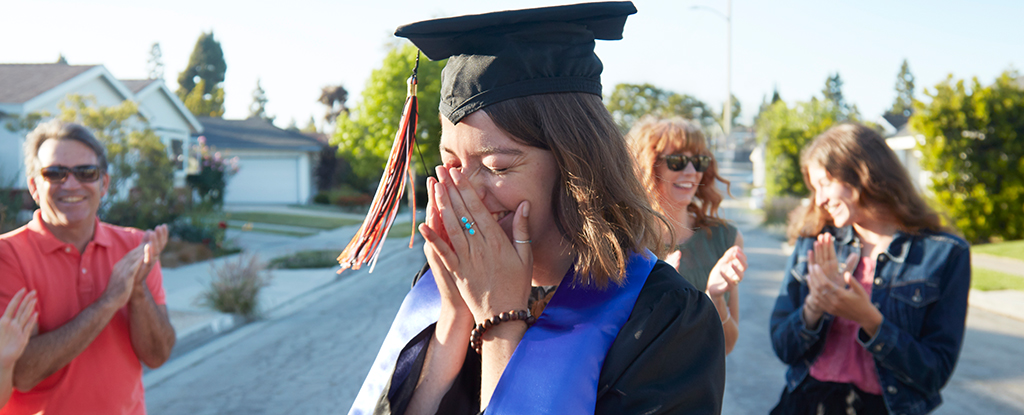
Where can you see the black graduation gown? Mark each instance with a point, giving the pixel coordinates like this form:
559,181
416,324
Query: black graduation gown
668,358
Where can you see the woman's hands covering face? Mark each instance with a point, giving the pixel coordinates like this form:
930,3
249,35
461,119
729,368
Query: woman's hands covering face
480,273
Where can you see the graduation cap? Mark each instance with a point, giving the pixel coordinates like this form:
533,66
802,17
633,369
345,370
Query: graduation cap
497,56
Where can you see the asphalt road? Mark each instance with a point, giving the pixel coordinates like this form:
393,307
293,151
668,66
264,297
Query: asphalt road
310,361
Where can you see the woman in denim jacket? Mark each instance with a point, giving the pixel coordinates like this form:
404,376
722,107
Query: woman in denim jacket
874,300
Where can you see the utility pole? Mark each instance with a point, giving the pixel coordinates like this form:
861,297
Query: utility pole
727,110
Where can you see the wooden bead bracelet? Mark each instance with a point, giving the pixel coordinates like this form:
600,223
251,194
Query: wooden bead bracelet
476,338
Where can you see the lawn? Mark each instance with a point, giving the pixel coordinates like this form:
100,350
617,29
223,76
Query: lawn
317,222
988,280
1009,249
257,228
402,230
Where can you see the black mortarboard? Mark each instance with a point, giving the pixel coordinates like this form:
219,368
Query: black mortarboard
497,56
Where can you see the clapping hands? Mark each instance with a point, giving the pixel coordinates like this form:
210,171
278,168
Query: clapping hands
16,325
727,273
834,290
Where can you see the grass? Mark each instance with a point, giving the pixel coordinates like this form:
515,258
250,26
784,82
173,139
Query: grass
988,280
330,208
316,222
305,260
273,231
402,230
1010,249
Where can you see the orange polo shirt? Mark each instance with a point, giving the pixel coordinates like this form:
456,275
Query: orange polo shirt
106,378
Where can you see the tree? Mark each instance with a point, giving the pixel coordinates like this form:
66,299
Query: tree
785,131
775,95
136,158
155,63
205,71
736,108
974,151
205,105
62,60
904,103
629,102
365,137
334,97
258,108
310,126
833,93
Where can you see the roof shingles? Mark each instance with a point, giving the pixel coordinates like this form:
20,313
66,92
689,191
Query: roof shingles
19,83
254,133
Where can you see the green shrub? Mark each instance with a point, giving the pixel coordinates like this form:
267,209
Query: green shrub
202,228
236,285
974,147
10,204
211,177
306,259
322,199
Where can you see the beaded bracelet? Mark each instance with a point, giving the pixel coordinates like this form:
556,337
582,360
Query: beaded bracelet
476,337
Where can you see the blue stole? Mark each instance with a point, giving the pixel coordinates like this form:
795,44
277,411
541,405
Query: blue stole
556,366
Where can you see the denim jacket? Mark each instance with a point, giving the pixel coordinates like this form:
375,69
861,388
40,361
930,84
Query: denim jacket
920,286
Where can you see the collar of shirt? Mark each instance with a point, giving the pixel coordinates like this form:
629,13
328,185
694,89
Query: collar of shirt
48,242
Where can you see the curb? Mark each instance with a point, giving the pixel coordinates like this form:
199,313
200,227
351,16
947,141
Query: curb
198,335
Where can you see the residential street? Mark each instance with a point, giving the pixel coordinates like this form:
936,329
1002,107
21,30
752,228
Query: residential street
311,361
310,357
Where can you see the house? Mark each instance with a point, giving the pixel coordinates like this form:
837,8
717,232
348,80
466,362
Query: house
38,88
903,141
275,165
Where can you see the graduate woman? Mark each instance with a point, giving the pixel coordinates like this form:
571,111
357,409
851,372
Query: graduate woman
543,296
871,314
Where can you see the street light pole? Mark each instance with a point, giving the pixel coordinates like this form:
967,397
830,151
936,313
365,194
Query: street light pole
727,110
727,121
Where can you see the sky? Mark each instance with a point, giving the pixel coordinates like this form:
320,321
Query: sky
297,47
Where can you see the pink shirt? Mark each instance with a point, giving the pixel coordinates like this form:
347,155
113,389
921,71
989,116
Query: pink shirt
843,359
106,378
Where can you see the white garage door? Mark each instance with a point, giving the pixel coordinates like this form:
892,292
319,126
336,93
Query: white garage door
264,180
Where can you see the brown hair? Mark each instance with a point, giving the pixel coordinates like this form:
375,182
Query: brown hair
599,205
650,137
857,156
59,130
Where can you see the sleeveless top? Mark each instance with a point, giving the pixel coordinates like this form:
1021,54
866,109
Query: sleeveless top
701,252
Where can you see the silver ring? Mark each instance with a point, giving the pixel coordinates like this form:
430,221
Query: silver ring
523,242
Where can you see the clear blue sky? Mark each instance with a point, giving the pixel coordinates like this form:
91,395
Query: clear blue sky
298,46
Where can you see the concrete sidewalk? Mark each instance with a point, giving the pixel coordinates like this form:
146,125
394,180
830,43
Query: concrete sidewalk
196,324
997,263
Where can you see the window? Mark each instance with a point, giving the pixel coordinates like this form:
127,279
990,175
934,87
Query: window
178,154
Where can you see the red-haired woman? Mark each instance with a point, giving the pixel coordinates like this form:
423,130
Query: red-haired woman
677,168
871,314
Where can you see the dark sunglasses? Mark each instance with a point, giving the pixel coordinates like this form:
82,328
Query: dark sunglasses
678,162
86,173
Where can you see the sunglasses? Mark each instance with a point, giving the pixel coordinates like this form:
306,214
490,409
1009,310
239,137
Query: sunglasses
86,173
678,162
